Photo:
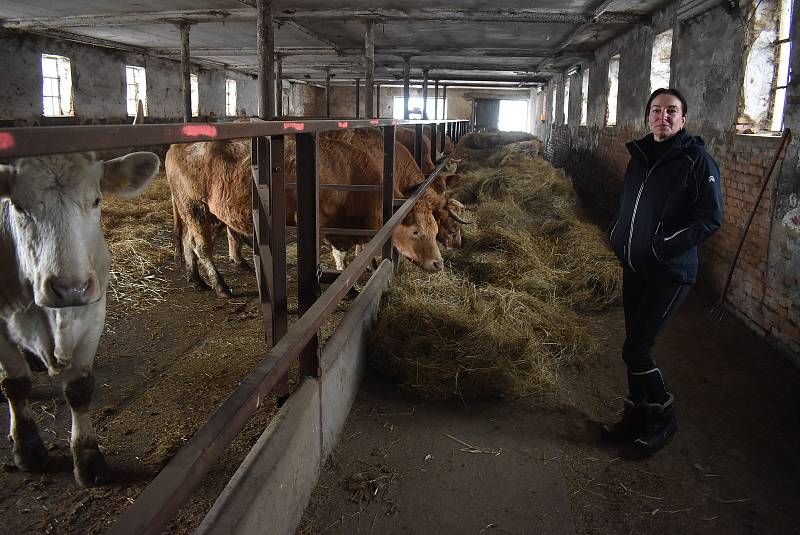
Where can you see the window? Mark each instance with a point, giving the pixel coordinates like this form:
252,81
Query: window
566,100
193,89
56,86
513,116
136,88
553,104
230,97
766,73
659,61
782,79
613,90
415,107
584,96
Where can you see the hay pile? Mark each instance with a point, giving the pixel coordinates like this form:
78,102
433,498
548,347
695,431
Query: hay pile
138,233
512,305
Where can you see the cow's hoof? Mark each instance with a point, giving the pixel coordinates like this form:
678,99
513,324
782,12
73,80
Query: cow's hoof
31,455
91,468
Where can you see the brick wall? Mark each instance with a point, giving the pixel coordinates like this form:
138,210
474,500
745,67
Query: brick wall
595,158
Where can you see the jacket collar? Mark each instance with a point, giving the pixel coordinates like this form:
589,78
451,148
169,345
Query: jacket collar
642,149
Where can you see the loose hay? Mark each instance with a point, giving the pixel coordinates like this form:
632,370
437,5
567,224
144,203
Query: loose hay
138,235
511,307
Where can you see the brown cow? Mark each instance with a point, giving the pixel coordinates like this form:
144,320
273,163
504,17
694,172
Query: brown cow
406,135
211,187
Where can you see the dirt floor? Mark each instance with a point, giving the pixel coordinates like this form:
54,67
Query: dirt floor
406,465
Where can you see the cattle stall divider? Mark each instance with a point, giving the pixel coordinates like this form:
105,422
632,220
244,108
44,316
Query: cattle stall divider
173,485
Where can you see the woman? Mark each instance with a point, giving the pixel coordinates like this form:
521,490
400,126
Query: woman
671,202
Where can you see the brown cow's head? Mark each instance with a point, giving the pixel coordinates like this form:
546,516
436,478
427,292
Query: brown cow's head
415,237
449,233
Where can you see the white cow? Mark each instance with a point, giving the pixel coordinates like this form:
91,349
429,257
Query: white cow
54,267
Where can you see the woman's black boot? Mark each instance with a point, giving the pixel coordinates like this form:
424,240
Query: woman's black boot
627,429
659,424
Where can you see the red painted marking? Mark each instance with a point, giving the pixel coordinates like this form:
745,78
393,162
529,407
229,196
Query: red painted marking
6,141
199,130
374,121
342,124
294,126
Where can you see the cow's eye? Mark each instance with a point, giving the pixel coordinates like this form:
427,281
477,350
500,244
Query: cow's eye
416,233
96,202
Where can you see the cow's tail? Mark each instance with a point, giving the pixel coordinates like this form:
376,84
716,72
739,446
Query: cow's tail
177,231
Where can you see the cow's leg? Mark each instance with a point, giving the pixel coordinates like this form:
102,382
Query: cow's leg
192,271
29,451
204,247
90,466
235,251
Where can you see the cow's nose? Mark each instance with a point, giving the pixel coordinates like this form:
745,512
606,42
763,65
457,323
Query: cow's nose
69,291
436,265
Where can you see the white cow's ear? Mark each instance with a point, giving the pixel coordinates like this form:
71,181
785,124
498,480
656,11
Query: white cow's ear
129,175
6,175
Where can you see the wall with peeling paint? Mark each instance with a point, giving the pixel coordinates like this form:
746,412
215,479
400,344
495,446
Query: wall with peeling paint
98,82
707,67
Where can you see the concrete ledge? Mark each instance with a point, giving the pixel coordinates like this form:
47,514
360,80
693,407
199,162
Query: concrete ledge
270,489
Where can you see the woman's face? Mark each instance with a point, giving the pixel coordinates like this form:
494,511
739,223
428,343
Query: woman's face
665,118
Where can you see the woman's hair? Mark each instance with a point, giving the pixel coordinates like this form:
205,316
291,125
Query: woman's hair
662,91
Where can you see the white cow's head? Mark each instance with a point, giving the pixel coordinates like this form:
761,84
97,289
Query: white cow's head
55,219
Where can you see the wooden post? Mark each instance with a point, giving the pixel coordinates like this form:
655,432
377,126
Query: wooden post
369,57
308,289
406,83
186,67
266,60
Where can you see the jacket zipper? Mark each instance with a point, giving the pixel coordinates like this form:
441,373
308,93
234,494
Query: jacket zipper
639,196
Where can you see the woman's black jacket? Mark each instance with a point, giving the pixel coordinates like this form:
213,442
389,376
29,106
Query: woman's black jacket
669,205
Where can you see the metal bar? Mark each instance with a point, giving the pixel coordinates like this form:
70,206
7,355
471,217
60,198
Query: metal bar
327,92
378,101
186,84
262,256
444,101
441,128
434,142
418,144
308,289
347,231
406,88
342,187
387,207
425,94
369,68
33,141
277,246
436,99
358,98
279,86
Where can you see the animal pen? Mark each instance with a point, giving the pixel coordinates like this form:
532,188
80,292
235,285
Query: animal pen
173,485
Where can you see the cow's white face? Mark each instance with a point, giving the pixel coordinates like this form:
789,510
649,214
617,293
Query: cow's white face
415,238
55,219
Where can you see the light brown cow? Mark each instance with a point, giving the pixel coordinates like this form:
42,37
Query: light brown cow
407,135
211,187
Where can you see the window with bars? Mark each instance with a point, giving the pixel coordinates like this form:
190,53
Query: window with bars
553,103
766,72
136,84
56,86
566,99
659,61
230,97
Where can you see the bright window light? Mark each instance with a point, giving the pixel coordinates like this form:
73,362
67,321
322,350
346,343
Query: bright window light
513,116
584,96
613,90
553,104
784,51
659,61
136,88
566,99
415,107
230,97
195,91
56,86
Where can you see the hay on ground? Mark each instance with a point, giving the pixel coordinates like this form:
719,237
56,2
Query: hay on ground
511,307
